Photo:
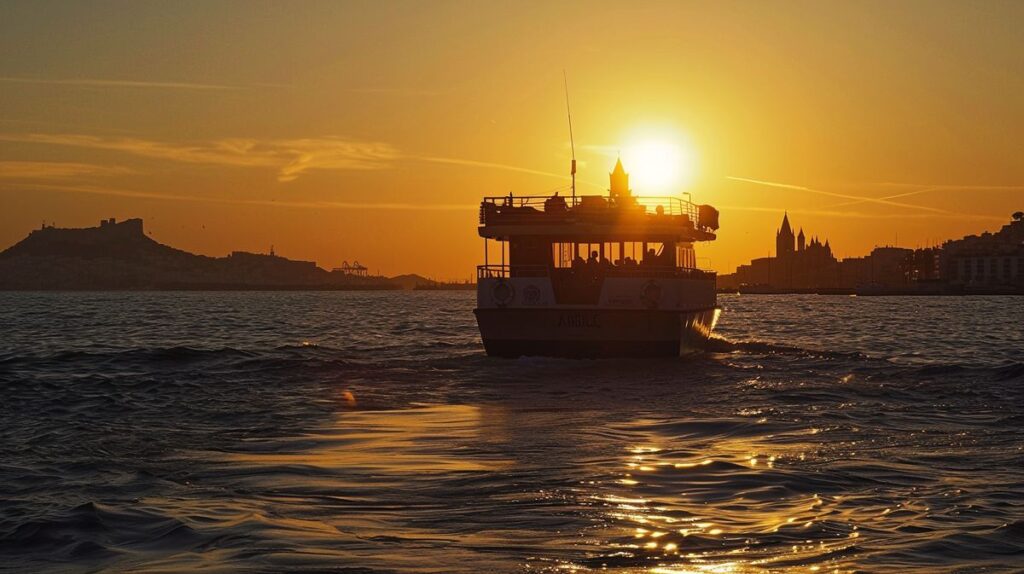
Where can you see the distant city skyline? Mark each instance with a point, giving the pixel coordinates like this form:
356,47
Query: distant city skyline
992,261
341,131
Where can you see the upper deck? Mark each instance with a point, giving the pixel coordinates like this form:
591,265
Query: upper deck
597,217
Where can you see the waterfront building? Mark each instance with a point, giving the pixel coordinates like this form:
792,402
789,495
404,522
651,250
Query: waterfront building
987,260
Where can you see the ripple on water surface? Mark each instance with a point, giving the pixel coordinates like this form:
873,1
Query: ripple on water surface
313,431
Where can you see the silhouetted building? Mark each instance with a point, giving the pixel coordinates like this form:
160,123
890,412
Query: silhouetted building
784,239
883,267
797,264
989,259
990,262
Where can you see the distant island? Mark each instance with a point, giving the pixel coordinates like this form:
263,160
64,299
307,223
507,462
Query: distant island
119,256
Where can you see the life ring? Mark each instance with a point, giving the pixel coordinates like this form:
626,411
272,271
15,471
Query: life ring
503,293
531,295
650,294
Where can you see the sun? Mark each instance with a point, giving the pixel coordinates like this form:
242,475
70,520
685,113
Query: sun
658,165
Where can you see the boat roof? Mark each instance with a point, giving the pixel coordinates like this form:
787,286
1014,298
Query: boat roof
597,218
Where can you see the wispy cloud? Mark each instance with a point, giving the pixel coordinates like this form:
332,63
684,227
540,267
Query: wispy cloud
103,83
393,91
599,149
857,198
289,157
500,166
18,170
118,192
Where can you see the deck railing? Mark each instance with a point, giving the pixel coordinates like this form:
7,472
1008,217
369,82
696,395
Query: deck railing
588,270
515,209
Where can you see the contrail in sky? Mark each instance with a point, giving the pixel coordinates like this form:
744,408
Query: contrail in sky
952,186
860,214
889,197
856,198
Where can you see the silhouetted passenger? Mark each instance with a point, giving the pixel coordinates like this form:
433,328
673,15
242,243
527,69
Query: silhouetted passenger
650,258
555,203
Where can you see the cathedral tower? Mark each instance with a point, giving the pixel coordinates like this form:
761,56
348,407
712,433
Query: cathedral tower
784,239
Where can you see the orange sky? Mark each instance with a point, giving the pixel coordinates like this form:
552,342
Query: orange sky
369,130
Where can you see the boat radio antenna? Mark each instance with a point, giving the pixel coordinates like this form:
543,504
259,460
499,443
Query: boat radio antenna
572,144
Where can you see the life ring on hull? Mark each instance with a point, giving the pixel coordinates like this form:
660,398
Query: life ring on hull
503,293
650,294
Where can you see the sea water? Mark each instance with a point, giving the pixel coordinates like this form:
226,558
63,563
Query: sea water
368,432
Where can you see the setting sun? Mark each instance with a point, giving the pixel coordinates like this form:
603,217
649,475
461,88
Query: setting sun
659,165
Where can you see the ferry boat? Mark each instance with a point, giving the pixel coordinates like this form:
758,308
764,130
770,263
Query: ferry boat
595,275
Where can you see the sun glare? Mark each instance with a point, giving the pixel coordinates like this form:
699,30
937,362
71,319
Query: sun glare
658,165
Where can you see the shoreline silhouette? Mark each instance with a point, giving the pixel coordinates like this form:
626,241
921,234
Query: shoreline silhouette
119,256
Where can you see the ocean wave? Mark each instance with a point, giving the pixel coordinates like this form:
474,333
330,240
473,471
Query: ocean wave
308,431
92,530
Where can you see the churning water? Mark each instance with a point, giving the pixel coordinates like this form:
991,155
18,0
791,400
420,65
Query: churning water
367,432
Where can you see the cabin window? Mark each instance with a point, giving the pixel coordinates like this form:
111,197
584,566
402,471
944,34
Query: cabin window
686,257
563,254
654,253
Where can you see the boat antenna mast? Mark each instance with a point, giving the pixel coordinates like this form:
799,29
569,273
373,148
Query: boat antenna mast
572,144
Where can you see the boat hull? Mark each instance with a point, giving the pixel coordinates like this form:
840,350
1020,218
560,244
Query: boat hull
593,332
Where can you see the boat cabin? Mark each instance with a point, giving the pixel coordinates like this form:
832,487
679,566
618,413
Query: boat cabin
615,235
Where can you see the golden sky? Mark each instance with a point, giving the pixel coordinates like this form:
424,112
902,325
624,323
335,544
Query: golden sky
370,130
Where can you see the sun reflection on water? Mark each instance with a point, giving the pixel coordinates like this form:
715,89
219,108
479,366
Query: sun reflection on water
725,508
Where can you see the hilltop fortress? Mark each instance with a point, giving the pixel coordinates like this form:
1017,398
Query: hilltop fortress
119,255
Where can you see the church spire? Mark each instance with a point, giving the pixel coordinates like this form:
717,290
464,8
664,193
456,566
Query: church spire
784,240
619,181
618,166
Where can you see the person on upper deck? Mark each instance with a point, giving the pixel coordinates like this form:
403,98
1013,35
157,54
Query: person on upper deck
650,258
555,203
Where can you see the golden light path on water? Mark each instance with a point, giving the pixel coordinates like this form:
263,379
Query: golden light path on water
683,505
722,508
666,529
669,508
